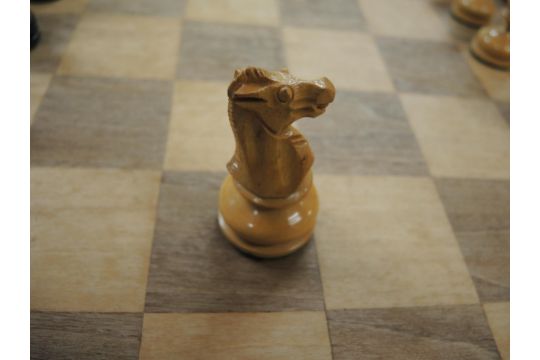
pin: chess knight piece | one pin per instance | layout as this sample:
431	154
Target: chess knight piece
268	204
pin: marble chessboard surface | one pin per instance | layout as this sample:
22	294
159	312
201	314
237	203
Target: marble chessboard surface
129	141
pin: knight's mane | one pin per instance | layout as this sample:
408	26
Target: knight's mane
249	75
256	75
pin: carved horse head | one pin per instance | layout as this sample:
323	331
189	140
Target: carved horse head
278	98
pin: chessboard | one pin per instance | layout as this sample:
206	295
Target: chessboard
129	141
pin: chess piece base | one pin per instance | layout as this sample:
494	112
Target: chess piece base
263	231
472	13
491	46
271	251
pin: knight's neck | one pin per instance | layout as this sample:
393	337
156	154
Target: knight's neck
266	165
250	135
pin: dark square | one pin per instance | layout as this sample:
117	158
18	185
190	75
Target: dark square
140	7
435	333
430	67
56	32
102	123
479	211
336	14
195	269
366	134
84	336
213	51
504	109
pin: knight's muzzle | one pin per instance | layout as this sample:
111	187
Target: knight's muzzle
327	94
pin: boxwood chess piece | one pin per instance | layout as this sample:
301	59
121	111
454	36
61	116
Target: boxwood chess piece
472	13
491	45
268	204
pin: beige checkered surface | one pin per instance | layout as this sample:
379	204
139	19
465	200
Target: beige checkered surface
129	140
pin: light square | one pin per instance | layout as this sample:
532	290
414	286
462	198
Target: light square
256	12
350	59
91	238
39	82
212	51
463	138
283	335
495	82
200	137
386	242
498	315
103	45
404	19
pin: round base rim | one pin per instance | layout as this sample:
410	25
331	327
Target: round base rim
488	59
271	251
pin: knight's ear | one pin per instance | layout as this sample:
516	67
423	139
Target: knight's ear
237	73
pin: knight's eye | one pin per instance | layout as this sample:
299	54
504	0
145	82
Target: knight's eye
285	94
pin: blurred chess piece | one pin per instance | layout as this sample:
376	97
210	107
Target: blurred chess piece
473	13
35	34
268	204
491	45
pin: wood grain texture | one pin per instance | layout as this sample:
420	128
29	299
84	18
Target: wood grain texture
479	211
460	137
498	315
386	242
102	123
203	145
56	30
91	237
393	18
504	108
84	336
338	14
39	82
58	7
211	51
431	67
139	7
151	56
496	82
255	12
364	134
264	336
362	68
435	333
383	238
194	268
